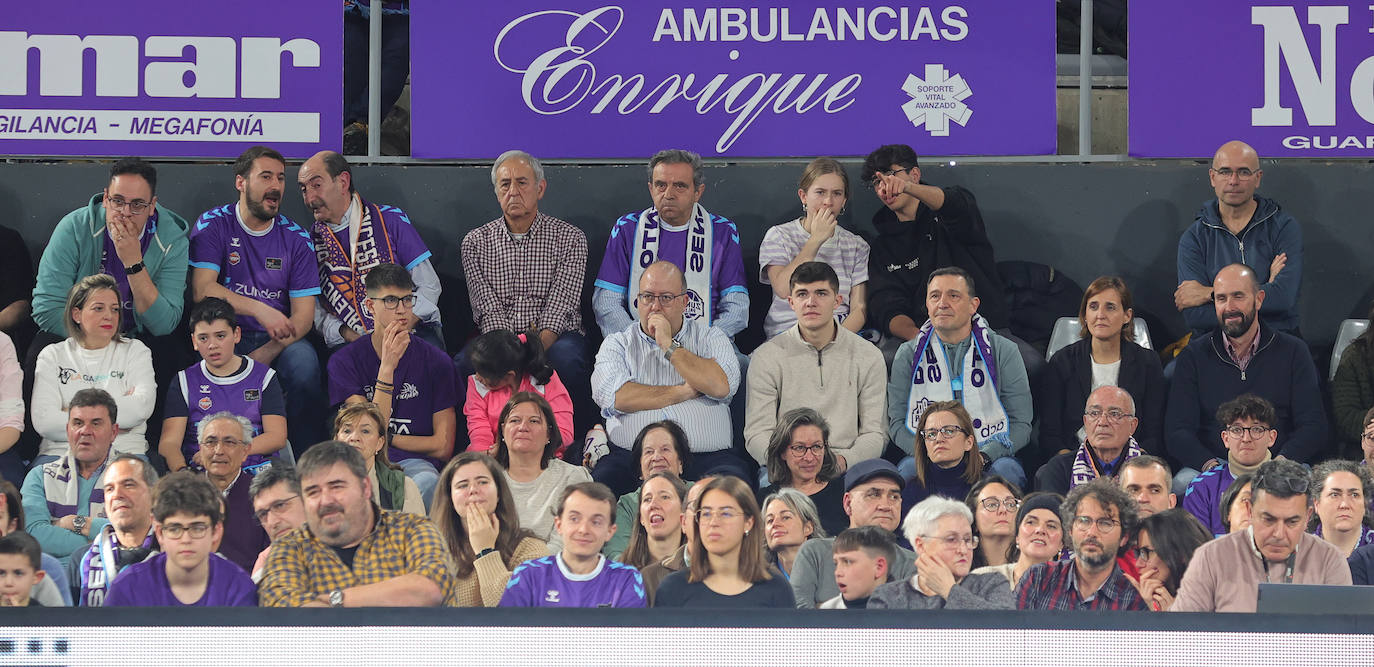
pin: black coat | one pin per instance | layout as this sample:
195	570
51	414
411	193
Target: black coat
1067	382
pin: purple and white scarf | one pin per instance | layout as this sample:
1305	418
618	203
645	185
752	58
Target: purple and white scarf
932	381
62	487
342	269
1085	468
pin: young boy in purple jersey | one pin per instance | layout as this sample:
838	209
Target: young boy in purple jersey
578	576
263	264
188	523
222	381
413	382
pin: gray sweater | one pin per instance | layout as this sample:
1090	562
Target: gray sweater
813	573
976	591
846	381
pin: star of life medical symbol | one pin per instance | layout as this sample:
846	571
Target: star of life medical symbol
936	100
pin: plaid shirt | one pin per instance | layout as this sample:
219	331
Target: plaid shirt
530	282
1054	585
300	567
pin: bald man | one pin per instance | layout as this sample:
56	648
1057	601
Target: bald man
666	366
351	236
1109	420
1240	227
1243	355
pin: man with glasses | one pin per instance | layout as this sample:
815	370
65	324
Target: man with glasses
1249	436
872	497
1109	420
1100	517
1240	226
414	383
1225	574
224	441
129	537
941	531
188	522
1245	355
262	263
921	228
821	365
277	506
666	366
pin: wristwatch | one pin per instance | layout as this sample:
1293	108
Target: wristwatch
79	523
674	347
336	598
131	270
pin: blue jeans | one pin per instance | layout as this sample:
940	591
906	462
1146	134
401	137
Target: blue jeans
424	475
298	370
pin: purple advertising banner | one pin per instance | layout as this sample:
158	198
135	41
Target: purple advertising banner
170	78
1292	79
601	79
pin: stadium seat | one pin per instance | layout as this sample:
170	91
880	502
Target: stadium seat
1349	331
1066	332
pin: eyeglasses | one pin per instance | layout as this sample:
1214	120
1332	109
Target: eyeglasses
213	443
1367	437
942	433
1144	553
1243	173
724	514
953	541
119	203
873	184
663	299
1104	524
175	530
390	302
802	450
994	504
1278	483
275	508
1113	415
1255	432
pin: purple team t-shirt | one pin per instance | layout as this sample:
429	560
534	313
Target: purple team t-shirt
110	262
425	380
727	261
273	266
546	582
145	585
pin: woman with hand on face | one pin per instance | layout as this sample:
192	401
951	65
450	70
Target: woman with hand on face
727	568
362	426
529	437
94	355
1165	544
481	529
1342	504
941	532
659	447
790	519
816	236
994	502
948	462
799	457
658	528
1039	537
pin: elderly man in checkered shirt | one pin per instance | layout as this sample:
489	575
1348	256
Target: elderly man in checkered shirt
524	272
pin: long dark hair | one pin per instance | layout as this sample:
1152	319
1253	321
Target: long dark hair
502	453
495	353
1175	535
450	524
637	553
781	439
979	560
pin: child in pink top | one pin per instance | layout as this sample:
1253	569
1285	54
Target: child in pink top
505	363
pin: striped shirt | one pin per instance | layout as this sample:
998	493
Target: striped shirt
631	355
1054	585
846	252
534	281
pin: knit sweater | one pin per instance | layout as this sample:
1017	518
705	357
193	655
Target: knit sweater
483	588
1225	573
976	591
845	381
1352	391
122	368
535	500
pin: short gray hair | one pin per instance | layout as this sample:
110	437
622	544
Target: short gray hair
801	505
531	160
1282	478
242	421
923	517
678	156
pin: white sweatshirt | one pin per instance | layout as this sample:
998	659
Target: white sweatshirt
124	368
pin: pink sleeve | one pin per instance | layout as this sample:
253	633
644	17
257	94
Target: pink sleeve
11	386
480	434
561	402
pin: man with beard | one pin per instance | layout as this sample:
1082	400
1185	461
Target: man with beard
262	264
128	538
352	553
1100	516
1244	355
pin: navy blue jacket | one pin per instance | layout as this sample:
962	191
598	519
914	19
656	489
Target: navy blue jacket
1205	377
1068	380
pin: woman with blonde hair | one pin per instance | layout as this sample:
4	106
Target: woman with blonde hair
363	426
